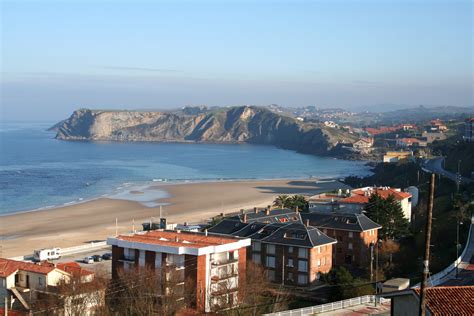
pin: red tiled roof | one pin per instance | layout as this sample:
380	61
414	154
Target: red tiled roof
73	268
450	300
175	239
359	195
8	267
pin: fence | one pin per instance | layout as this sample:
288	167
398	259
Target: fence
330	306
70	250
438	278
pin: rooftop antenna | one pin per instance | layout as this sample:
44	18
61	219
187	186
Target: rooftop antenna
116	226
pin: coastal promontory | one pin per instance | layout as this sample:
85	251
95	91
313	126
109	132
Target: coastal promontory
242	124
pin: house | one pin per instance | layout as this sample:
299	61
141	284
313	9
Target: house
408	127
437	126
410	142
363	144
23	283
291	252
212	266
354	234
433	136
396	156
356	200
331	124
469	129
440	301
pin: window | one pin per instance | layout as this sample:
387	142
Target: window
256	258
271	249
256	246
290	249
319	262
349	245
290	263
290	276
302	253
271	275
303	265
302	279
319	249
40	281
270	262
351	234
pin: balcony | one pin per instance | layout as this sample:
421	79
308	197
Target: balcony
224	262
224	276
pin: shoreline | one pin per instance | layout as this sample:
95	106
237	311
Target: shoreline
131	187
71	225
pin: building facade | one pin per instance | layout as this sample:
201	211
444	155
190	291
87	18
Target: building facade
469	129
23	283
354	234
212	267
292	253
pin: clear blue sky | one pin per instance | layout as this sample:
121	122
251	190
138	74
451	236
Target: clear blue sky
61	55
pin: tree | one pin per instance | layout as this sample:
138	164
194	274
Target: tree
292	202
388	213
344	285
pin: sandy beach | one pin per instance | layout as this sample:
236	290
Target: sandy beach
95	220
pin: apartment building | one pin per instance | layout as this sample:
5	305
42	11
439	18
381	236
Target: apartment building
23	283
213	266
291	252
469	129
354	234
356	200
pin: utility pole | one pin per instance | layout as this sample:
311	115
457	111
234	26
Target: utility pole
457	247
458	177
426	259
376	269
283	271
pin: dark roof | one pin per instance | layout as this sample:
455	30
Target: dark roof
352	222
227	226
275	216
299	235
291	234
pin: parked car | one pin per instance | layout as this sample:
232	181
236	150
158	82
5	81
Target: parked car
88	260
107	256
97	258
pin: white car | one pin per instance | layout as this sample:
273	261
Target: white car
88	260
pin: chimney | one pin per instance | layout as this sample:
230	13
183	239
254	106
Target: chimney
205	232
269	207
297	209
307	223
242	211
185	224
267	211
255	210
245	218
176	239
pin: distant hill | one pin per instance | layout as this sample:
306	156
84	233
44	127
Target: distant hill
243	124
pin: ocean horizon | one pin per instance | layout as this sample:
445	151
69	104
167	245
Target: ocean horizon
39	172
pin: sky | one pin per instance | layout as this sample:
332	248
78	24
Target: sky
57	56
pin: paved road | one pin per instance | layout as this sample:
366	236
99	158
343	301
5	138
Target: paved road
436	165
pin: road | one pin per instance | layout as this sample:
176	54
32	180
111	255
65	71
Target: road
435	165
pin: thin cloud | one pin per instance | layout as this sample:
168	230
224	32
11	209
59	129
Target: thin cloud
140	69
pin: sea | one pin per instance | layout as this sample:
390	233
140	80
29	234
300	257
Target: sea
38	171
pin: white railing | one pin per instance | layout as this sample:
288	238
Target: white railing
330	306
438	278
70	250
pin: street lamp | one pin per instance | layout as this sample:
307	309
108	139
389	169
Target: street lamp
457	246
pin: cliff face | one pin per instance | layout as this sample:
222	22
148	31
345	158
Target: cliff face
239	124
